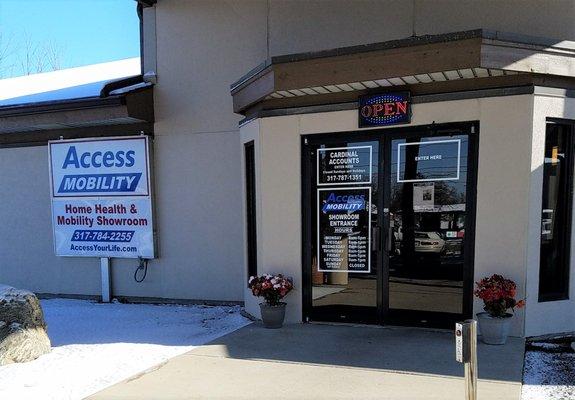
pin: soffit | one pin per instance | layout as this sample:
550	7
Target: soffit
125	108
455	61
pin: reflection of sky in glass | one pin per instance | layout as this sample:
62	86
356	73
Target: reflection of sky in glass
445	167
374	170
374	157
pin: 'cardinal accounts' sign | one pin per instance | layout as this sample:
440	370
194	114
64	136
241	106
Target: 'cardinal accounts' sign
101	202
384	109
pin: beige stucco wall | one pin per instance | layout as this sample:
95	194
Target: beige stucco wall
547	18
198	220
311	25
27	257
556	315
202	47
502	185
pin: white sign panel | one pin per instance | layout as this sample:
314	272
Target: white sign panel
344	165
437	160
109	167
101	202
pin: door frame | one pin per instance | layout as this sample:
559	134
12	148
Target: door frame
385	136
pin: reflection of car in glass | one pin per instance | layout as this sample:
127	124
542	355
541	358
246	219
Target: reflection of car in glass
547	224
398	234
428	242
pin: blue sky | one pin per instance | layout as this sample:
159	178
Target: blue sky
82	32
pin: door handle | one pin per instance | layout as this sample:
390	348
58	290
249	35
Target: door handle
375	238
388	240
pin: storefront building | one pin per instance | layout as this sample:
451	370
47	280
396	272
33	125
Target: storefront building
385	156
398	174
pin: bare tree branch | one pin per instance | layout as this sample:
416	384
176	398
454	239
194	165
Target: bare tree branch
28	56
53	54
7	50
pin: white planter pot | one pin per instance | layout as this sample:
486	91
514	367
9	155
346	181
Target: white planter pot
494	330
273	316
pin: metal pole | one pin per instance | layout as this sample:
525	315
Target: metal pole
106	279
470	366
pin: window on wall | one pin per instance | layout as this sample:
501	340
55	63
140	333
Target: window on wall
556	212
250	176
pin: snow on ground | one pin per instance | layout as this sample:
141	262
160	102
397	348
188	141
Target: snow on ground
97	345
549	372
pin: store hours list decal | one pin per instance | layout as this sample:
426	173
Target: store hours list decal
344	221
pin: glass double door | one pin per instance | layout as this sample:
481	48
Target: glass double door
389	219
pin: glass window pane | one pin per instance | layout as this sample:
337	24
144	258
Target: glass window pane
344	270
556	213
250	176
427	222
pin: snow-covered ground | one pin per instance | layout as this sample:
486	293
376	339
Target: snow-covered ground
97	345
549	372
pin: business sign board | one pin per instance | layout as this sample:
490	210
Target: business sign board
101	198
384	109
344	165
91	168
344	234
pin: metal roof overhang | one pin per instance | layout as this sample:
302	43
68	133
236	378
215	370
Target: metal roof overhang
147	3
461	61
109	115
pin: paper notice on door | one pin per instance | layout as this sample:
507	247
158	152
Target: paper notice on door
424	196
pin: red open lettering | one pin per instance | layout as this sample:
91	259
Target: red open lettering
401	107
377	108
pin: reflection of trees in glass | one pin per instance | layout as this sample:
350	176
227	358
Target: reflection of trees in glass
445	194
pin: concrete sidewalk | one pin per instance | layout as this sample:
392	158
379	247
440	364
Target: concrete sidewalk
312	361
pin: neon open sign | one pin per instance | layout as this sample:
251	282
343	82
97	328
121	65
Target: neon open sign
384	109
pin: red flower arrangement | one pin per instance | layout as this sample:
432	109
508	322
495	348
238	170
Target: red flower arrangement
272	288
498	295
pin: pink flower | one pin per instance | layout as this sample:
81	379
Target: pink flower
498	294
272	288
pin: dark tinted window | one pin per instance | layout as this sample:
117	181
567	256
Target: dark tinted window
250	176
556	212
